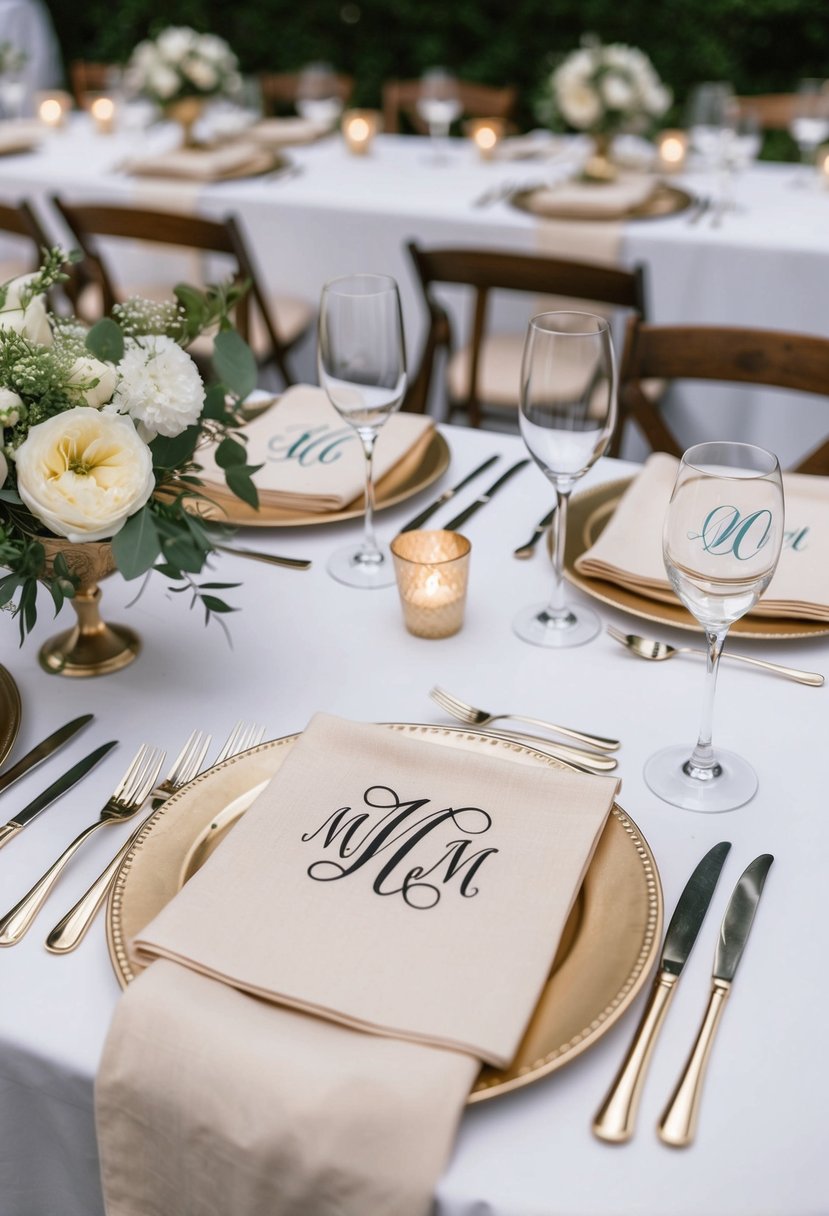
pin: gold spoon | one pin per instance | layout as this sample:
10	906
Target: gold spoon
649	648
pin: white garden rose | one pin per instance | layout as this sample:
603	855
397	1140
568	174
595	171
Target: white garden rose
203	74
10	406
83	473
4	469
580	106
96	380
176	42
159	386
617	92
163	81
31	322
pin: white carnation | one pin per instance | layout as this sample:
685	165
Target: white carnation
94	379
83	473
158	386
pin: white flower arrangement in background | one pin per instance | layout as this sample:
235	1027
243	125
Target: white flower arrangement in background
182	63
604	89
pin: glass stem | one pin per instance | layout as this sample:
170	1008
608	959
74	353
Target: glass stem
368	439
556	611
702	765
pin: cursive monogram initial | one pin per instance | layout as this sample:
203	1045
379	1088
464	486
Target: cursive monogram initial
402	835
313	445
725	531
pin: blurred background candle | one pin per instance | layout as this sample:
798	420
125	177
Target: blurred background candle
52	108
102	110
432	570
822	162
486	134
359	128
672	149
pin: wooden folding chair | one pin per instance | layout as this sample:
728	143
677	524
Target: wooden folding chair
280	89
400	98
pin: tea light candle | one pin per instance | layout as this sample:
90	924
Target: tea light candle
359	128
672	149
102	110
52	108
486	134
432	570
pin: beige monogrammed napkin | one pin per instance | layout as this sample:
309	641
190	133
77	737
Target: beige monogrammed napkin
587	200
222	163
375	886
312	460
629	550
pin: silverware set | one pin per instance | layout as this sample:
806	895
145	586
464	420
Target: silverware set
458	520
526	550
138	788
616	1118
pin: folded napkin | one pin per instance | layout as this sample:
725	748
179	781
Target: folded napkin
629	550
286	132
19	135
313	461
379	883
593	200
222	163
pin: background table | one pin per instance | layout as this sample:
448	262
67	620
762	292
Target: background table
766	265
302	642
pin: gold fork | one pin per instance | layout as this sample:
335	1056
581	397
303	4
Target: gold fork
125	800
473	716
70	931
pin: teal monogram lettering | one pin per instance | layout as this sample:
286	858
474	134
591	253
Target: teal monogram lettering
796	540
726	531
312	445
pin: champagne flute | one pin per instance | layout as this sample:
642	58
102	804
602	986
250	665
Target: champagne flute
721	542
362	367
438	104
567	413
809	126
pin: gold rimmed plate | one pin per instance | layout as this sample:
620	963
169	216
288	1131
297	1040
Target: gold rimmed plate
588	515
417	470
664	200
607	948
10	713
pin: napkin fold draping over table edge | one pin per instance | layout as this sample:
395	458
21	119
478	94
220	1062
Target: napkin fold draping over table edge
315	477
629	550
211	1100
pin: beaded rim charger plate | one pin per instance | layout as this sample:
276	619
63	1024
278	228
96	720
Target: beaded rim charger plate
589	513
604	957
664	200
10	712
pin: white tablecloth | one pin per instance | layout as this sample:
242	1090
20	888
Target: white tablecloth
766	265
302	642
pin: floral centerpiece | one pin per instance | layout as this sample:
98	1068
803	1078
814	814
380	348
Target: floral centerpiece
604	90
12	59
99	436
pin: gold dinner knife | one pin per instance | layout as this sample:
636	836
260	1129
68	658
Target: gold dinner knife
616	1117
679	1120
466	514
55	790
49	745
427	513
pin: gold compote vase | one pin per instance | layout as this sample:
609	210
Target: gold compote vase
599	166
91	647
186	112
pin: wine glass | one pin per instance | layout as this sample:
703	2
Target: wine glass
721	541
362	367
809	126
567	413
438	104
709	118
318	96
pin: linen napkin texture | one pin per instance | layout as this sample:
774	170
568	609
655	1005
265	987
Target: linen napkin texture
382	881
386	883
607	200
629	550
224	162
313	460
286	132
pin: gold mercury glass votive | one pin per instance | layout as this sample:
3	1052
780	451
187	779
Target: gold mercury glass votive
102	112
52	107
672	151
486	134
432	569
359	128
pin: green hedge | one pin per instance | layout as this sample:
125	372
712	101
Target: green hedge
760	45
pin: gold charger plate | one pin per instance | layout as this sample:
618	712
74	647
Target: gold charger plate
665	200
587	516
606	950
418	469
10	712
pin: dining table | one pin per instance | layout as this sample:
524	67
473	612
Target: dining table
299	642
323	212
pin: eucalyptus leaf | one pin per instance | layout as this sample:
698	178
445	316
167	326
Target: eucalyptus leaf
239	481
234	363
230	453
136	547
105	341
170	453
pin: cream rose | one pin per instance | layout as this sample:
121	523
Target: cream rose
83	473
32	321
10	407
4	469
95	380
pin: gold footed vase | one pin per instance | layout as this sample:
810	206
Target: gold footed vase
599	166
91	647
186	112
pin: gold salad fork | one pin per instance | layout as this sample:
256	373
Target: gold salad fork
473	716
71	929
126	799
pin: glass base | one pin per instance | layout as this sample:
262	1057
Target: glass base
359	567
735	784
535	625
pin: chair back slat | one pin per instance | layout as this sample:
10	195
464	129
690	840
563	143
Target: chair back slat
400	97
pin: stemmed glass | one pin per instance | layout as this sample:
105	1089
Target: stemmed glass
809	126
318	97
567	413
710	115
438	104
721	541
362	367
